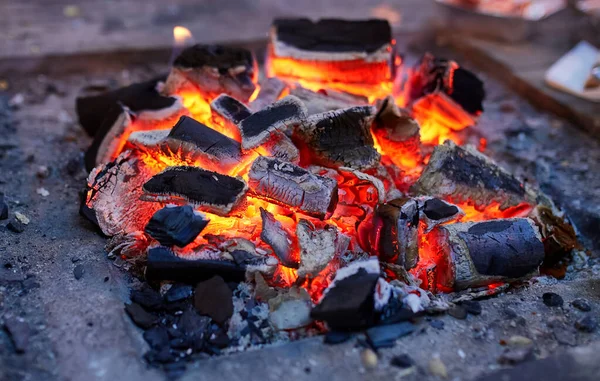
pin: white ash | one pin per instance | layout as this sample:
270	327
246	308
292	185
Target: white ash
317	247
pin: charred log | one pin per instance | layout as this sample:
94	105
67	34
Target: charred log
212	70
293	186
176	225
340	138
163	264
280	146
271	90
281	115
229	112
280	240
209	191
464	174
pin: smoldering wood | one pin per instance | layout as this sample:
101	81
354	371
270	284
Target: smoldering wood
340	138
317	247
281	115
163	264
115	122
487	252
209	191
433	212
176	225
557	232
113	192
465	175
212	70
320	102
139	97
275	235
280	146
292	186
396	226
229	112
270	90
364	178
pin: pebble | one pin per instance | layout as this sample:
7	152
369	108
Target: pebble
581	305
520	341
552	299
515	355
587	324
43	172
402	361
140	317
337	337
457	312
78	271
472	306
22	218
43	192
437	367
16	226
368	358
437	324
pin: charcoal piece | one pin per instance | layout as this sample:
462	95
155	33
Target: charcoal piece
19	332
178	225
139	98
192	324
15	226
147	298
3	207
552	299
229	112
292	186
586	324
281	115
395	232
402	361
280	240
140	316
337	337
488	252
280	146
209	191
211	70
464	174
163	264
348	303
339	138
320	102
270	90
582	305
220	339
317	247
434	212
473	307
157	337
385	336
334	35
106	142
178	292
213	298
78	272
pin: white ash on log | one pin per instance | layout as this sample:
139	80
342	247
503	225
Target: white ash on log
292	186
176	225
163	264
270	91
482	253
280	116
318	247
280	146
395	232
464	174
433	212
397	133
320	102
209	191
281	241
212	70
331	50
229	112
340	138
113	193
142	99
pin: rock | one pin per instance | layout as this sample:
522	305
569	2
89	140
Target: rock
213	298
458	312
178	292
519	341
291	309
337	337
42	172
368	358
552	299
157	337
78	271
147	298
437	324
437	367
402	361
19	333
515	355
587	324
385	336
472	306
140	316
3	207
16	226
582	305
43	192
22	218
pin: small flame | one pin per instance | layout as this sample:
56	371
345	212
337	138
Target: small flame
182	36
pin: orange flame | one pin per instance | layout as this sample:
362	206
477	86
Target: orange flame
182	36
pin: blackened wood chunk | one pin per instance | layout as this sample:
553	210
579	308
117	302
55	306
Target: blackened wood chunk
213	298
163	264
138	97
491	251
230	108
348	303
396	230
221	58
114	123
464	174
436	209
257	128
340	138
209	191
334	35
275	235
270	90
293	186
195	137
176	225
280	146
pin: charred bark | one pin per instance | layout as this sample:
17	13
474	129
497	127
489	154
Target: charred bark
229	112
280	240
320	102
292	186
280	146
